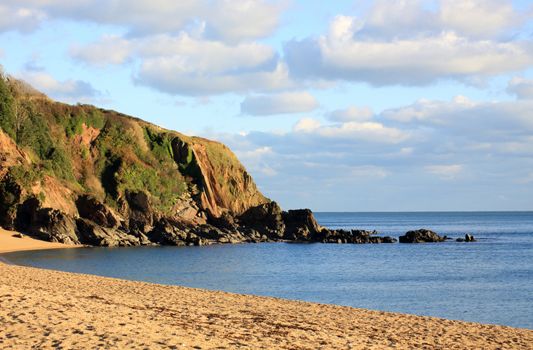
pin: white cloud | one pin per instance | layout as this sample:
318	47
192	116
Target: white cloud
522	88
185	65
367	131
284	103
23	19
446	172
306	125
226	20
479	18
472	18
416	43
489	120
409	61
172	76
352	113
110	49
67	90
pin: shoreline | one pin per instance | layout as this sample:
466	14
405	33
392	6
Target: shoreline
10	244
47	308
112	312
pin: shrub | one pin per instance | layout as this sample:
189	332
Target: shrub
7	114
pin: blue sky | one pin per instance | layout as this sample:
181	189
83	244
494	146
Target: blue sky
337	106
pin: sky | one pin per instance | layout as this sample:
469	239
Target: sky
378	105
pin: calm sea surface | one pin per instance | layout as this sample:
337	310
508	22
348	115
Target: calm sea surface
490	281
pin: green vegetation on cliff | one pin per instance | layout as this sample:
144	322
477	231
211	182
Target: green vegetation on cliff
71	150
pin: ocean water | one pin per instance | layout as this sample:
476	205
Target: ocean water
490	281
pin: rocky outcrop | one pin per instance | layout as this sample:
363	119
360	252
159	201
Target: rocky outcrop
266	219
90	233
92	209
421	236
351	236
300	225
98	177
54	226
141	215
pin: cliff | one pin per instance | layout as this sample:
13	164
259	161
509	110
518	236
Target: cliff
84	175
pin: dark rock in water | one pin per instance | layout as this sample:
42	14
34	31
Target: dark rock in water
90	208
353	236
468	238
388	239
421	236
265	218
300	225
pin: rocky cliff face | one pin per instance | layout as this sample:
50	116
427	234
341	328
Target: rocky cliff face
83	175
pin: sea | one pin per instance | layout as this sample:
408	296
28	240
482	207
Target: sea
489	281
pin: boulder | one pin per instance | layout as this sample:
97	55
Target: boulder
92	234
388	239
225	220
421	236
90	208
301	225
265	218
54	226
170	232
141	216
350	236
468	238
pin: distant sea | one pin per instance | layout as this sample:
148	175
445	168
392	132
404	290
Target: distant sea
490	281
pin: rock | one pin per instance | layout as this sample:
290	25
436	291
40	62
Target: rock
265	218
141	216
388	239
54	226
27	213
90	208
18	235
93	234
169	232
225	221
300	225
468	238
421	236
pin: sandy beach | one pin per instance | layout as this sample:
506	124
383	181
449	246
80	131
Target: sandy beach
45	309
10	243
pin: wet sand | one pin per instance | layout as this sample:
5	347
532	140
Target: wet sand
46	309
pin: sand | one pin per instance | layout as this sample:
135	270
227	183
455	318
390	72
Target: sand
45	309
8	243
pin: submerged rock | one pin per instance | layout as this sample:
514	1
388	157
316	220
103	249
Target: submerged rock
421	236
468	238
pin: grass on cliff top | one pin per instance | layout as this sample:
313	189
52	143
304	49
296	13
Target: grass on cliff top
125	154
